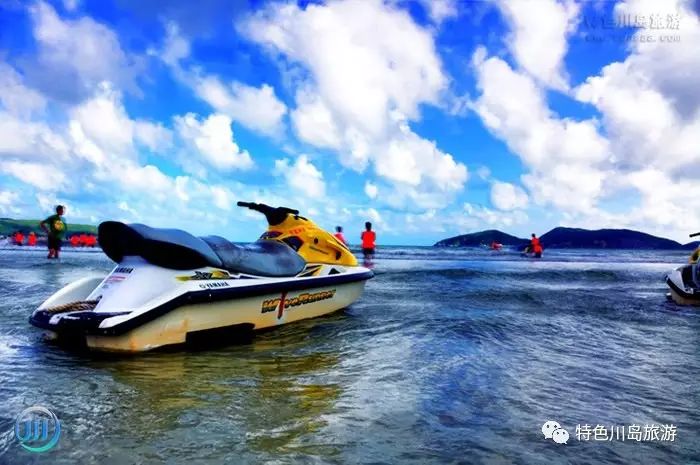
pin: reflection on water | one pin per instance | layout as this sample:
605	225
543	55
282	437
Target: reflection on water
273	387
450	357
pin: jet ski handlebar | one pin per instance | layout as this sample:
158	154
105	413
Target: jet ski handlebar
695	234
274	215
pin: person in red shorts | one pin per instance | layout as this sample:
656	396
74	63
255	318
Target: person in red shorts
535	246
368	241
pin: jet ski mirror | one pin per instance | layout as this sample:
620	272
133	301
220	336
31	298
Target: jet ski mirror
274	215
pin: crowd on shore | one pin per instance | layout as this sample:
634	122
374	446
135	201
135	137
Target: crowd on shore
32	239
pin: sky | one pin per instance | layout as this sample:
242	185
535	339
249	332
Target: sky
427	118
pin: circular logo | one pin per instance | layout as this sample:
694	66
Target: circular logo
37	429
58	225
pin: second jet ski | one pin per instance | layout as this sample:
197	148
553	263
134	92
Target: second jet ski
684	281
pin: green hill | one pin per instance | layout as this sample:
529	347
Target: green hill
9	226
482	237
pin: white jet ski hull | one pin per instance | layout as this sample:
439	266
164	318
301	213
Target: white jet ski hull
684	285
130	313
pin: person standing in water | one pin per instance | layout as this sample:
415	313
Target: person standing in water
535	246
31	240
339	235
55	231
368	240
19	238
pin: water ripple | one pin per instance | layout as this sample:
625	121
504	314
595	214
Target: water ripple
452	356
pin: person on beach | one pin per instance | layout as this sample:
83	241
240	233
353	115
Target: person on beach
535	246
368	241
19	238
55	231
31	239
339	235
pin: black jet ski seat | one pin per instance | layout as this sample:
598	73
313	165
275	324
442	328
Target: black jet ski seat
180	250
262	258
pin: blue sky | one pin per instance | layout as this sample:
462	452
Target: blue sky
428	118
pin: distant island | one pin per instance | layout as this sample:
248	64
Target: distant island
572	238
483	237
9	226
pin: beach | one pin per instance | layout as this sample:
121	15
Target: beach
450	356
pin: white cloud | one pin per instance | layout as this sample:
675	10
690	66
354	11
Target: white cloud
539	36
22	137
71	5
257	108
104	120
651	112
175	47
100	128
27	140
302	176
15	96
407	158
373	215
155	136
314	123
483	173
570	187
360	74
212	139
440	10
486	217
507	196
469	217
144	179
76	55
650	108
650	118
222	198
41	176
8	202
124	206
362	88
371	190
97	142
568	159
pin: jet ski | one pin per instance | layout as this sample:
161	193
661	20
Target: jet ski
684	281
169	287
684	284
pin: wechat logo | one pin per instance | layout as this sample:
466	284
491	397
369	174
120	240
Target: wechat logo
553	430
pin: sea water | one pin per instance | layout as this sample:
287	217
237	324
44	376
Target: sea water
450	356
